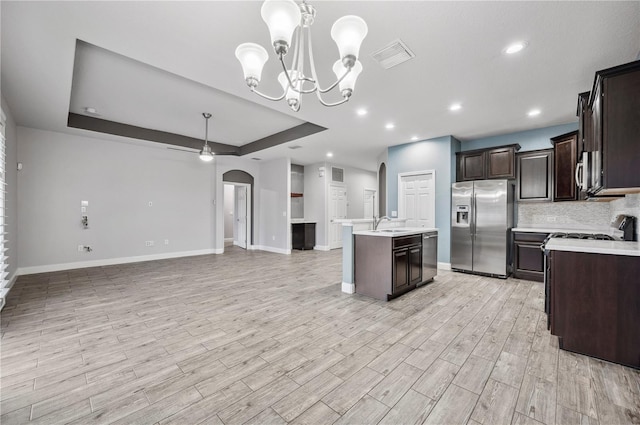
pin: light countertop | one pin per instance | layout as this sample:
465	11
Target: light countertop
366	220
301	221
595	247
396	231
560	230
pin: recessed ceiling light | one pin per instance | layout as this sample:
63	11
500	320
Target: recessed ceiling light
515	47
91	110
329	154
361	112
534	112
455	107
414	138
390	126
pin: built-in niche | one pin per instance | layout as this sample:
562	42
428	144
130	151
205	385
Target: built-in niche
382	190
297	191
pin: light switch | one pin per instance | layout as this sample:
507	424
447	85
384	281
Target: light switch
84	203
150	203
83	209
394	213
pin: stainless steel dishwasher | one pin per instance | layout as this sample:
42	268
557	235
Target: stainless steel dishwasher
429	256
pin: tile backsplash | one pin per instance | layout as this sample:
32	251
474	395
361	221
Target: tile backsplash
578	214
565	215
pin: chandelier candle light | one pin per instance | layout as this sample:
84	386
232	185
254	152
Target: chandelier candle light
205	154
284	17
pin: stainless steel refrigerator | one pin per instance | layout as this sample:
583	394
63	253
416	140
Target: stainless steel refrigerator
481	222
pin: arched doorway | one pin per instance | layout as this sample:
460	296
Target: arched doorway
382	190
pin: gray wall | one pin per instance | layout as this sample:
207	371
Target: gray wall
118	180
12	191
274	188
315	201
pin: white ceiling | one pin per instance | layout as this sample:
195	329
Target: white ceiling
458	49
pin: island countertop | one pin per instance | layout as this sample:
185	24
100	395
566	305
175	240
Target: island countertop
396	231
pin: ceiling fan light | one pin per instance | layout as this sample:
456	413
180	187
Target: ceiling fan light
348	33
282	17
349	81
252	57
205	154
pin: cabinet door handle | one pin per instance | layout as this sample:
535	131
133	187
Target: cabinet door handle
579	175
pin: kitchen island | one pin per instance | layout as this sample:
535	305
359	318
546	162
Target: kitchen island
391	262
594	298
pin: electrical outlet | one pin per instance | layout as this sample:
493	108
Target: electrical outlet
150	203
80	248
551	219
273	237
151	243
166	241
83	209
147	243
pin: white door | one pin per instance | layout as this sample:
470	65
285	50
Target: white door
240	207
337	209
369	203
416	199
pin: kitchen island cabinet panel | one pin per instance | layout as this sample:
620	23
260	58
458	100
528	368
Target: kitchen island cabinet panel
596	305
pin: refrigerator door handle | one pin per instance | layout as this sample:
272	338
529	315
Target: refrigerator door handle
475	214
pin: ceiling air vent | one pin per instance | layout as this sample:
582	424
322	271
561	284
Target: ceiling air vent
393	54
295	147
337	174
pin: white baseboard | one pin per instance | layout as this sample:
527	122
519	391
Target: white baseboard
272	249
444	266
322	248
111	261
348	288
228	239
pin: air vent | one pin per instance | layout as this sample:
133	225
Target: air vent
337	174
393	54
257	159
295	147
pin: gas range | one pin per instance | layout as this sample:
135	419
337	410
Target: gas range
589	236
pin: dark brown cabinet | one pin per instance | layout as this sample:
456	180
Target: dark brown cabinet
494	163
565	148
585	131
594	305
407	262
386	267
528	255
303	235
615	117
535	176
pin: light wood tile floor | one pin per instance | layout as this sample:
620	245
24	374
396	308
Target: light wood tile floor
261	338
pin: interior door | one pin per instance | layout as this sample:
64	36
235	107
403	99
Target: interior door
369	203
240	205
417	203
337	210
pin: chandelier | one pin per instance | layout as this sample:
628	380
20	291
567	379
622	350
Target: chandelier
284	17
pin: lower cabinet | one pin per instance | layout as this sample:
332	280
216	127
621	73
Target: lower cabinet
386	267
528	255
407	267
594	305
303	235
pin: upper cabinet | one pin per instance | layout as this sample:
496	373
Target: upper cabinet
615	124
565	148
585	132
535	179
494	163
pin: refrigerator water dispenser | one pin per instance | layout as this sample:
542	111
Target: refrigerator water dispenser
462	214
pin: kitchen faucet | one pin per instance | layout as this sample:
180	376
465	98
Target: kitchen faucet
376	222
